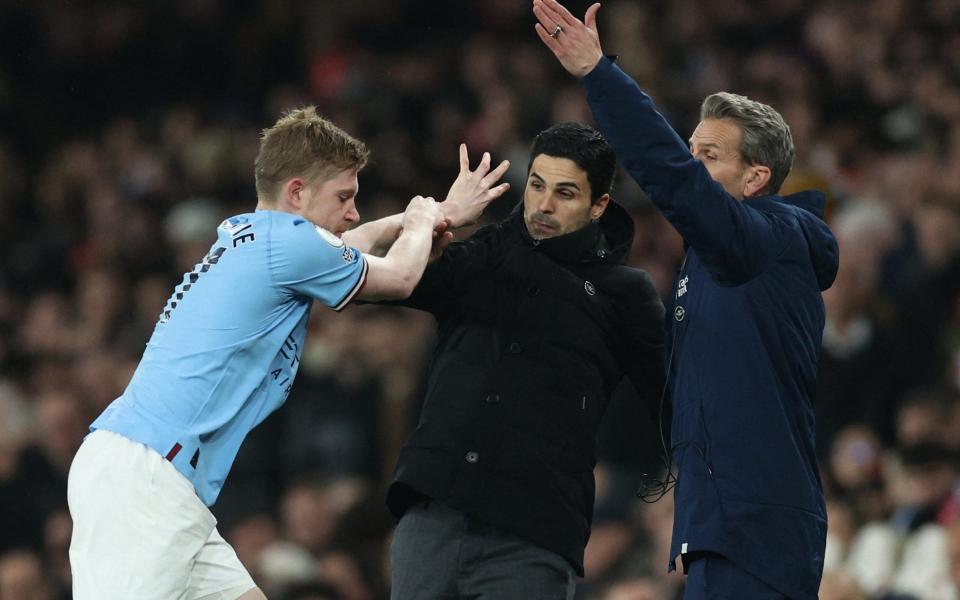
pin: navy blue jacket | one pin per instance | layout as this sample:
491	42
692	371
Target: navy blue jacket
747	324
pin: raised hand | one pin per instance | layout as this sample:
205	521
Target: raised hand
471	191
576	44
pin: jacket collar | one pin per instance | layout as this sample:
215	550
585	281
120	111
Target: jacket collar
821	243
607	240
812	201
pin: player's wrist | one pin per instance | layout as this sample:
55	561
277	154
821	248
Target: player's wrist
454	213
418	222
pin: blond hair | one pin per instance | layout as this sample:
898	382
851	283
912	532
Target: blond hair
304	144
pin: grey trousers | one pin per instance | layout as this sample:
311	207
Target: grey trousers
439	553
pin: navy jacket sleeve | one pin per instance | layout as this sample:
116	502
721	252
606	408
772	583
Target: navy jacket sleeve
734	241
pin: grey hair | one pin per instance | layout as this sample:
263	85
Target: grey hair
766	137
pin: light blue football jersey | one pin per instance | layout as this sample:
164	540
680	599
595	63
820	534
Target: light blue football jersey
227	346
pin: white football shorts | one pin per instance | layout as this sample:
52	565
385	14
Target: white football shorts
140	531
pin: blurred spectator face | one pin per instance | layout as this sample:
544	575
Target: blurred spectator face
51	374
828	33
928	484
557	198
345	493
497	122
938	232
716	143
569	105
22	578
481	63
205	158
61	427
342	572
865	232
101	376
150	296
331	203
920	422
855	459
250	537
307	520
868	229
99	295
47	325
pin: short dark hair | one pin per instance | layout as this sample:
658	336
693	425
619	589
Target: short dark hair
585	146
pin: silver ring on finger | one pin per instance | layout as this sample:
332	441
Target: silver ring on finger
556	32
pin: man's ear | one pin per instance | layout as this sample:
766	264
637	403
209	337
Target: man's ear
757	180
597	208
290	194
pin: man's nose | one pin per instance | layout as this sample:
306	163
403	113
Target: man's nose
547	204
353	215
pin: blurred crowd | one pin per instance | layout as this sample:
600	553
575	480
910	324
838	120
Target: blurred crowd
129	132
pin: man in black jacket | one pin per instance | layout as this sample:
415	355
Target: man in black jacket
539	320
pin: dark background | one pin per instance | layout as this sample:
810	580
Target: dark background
128	131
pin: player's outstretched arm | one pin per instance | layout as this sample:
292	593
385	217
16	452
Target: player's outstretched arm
375	237
394	276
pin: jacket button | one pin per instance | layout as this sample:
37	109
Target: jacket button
472	457
516	348
492	399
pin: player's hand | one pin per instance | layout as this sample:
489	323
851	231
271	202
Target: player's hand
441	239
471	191
575	44
422	212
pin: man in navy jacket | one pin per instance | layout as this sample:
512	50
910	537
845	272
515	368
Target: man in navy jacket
747	324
